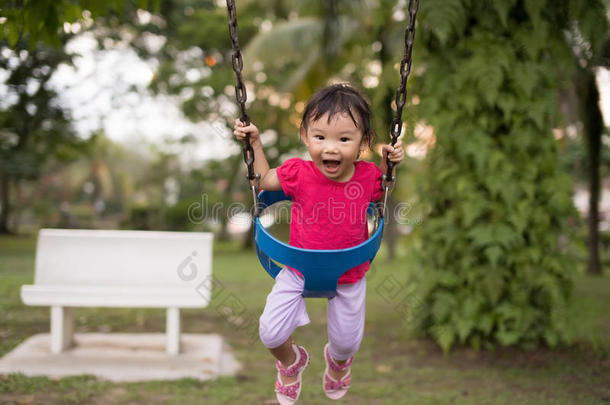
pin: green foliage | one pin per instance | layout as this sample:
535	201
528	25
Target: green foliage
34	127
43	20
291	50
493	257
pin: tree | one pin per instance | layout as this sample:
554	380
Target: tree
194	65
590	41
493	245
33	124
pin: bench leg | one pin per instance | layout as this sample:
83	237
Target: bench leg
62	328
173	331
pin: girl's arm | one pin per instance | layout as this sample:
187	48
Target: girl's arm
269	179
396	154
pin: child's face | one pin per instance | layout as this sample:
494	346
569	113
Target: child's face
334	146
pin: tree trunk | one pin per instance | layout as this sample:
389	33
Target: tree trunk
16	215
390	234
593	126
224	220
249	239
5	201
223	234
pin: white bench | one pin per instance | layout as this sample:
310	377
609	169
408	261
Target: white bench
112	268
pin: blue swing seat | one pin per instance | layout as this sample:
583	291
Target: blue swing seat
320	268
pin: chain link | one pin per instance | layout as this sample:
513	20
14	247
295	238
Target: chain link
242	96
405	69
387	179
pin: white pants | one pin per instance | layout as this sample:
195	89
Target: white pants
285	311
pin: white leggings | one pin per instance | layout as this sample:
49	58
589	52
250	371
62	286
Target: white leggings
285	311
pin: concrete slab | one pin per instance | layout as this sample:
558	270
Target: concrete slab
123	357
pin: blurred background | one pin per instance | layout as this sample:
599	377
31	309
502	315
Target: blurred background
119	114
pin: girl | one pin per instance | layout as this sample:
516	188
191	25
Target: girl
330	194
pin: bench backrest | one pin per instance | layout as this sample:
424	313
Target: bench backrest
123	258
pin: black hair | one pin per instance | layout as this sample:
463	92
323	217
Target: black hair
340	98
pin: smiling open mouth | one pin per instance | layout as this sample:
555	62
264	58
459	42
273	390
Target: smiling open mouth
331	165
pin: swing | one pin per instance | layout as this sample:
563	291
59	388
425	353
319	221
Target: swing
321	269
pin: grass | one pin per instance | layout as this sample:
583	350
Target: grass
392	366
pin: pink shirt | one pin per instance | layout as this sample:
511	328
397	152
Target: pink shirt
327	214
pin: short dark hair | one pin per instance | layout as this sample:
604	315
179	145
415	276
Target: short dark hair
340	98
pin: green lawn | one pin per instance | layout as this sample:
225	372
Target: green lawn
392	366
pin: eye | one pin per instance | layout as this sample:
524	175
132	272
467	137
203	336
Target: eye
344	139
320	137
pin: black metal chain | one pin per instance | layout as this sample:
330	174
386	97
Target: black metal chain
388	180
242	96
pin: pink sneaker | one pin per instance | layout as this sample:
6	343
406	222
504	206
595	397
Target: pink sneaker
332	388
289	394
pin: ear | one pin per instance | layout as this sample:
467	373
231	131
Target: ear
364	144
361	149
303	135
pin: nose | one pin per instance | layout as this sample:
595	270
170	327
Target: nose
330	147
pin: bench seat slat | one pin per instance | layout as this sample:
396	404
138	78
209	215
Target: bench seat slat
113	296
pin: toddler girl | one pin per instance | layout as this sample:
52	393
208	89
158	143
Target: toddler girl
330	195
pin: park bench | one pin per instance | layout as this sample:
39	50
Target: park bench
116	268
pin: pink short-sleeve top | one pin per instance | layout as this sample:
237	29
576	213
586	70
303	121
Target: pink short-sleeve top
327	214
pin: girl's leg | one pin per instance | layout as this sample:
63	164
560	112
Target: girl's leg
346	314
284	312
286	355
